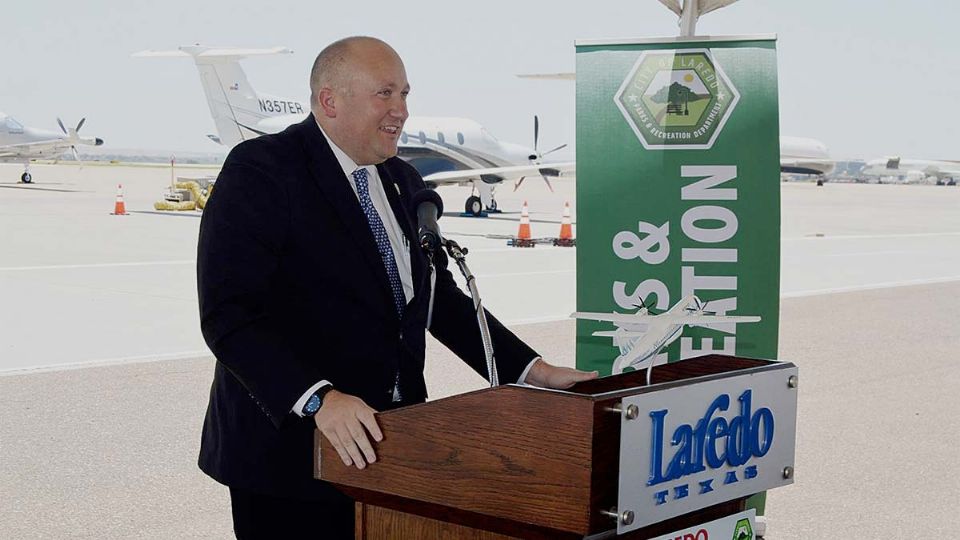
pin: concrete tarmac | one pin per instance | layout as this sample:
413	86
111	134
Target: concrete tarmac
869	281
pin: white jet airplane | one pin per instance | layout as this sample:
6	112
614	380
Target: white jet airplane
641	335
446	151
912	171
19	144
800	155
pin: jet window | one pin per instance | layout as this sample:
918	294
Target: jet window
13	126
460	137
440	137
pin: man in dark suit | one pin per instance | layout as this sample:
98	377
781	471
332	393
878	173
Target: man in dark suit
314	303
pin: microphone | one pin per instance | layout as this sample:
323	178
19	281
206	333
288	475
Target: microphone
429	207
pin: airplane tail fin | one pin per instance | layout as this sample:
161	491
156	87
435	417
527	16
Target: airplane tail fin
236	108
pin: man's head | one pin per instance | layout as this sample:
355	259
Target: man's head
358	93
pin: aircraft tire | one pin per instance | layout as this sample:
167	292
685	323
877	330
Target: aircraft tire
26	178
474	206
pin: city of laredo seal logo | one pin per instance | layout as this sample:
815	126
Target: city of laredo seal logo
676	99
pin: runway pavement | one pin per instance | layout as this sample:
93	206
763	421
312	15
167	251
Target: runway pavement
110	451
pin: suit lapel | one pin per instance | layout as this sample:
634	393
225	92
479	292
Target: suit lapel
335	186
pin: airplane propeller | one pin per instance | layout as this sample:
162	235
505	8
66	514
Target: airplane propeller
536	156
644	306
701	306
73	148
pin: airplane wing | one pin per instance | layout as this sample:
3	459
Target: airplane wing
499	173
707	319
621	318
34	148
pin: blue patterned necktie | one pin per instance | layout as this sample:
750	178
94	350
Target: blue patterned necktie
380	236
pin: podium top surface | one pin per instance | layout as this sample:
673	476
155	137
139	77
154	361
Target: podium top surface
668	375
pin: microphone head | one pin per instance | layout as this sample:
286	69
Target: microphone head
427	195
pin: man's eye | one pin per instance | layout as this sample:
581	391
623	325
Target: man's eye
386	93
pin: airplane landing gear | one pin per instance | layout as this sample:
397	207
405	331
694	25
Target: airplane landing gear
492	209
474	206
26	178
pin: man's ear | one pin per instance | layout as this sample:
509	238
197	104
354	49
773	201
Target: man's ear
327	103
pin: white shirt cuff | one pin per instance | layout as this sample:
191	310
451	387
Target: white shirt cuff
523	376
298	406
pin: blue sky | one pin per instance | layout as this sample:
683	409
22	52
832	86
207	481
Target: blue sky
868	79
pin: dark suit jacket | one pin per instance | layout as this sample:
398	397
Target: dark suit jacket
293	290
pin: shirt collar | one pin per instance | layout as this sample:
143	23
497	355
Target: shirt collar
347	164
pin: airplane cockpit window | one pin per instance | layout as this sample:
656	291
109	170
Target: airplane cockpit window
440	137
13	126
423	137
460	137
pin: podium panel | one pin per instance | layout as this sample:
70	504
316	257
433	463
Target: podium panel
517	461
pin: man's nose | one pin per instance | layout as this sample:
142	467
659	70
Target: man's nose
399	110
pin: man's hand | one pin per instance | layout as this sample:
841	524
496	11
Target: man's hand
345	420
549	376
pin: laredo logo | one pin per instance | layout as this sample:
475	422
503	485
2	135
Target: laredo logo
676	99
714	441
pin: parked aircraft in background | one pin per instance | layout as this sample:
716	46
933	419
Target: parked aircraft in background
912	171
21	144
800	155
641	335
446	151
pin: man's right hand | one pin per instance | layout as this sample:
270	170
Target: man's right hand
345	420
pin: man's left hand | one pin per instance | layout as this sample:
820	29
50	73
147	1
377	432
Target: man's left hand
549	376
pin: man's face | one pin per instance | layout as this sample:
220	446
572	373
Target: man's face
371	112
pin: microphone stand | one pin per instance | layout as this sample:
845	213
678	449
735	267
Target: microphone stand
458	254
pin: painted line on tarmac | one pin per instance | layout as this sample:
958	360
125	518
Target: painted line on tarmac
868	236
100	265
516	274
106	362
536	320
861	253
869	287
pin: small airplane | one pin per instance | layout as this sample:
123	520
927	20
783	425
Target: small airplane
446	151
19	144
641	335
913	171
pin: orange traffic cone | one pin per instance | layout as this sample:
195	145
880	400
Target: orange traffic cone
523	234
119	209
566	229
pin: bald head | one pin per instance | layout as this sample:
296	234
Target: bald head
336	63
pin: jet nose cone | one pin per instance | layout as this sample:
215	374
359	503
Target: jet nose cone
99	141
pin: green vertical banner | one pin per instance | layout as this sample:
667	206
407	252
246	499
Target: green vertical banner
678	196
678	192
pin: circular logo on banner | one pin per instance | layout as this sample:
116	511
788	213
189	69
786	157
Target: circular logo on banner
676	99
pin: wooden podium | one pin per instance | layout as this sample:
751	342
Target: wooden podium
512	461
